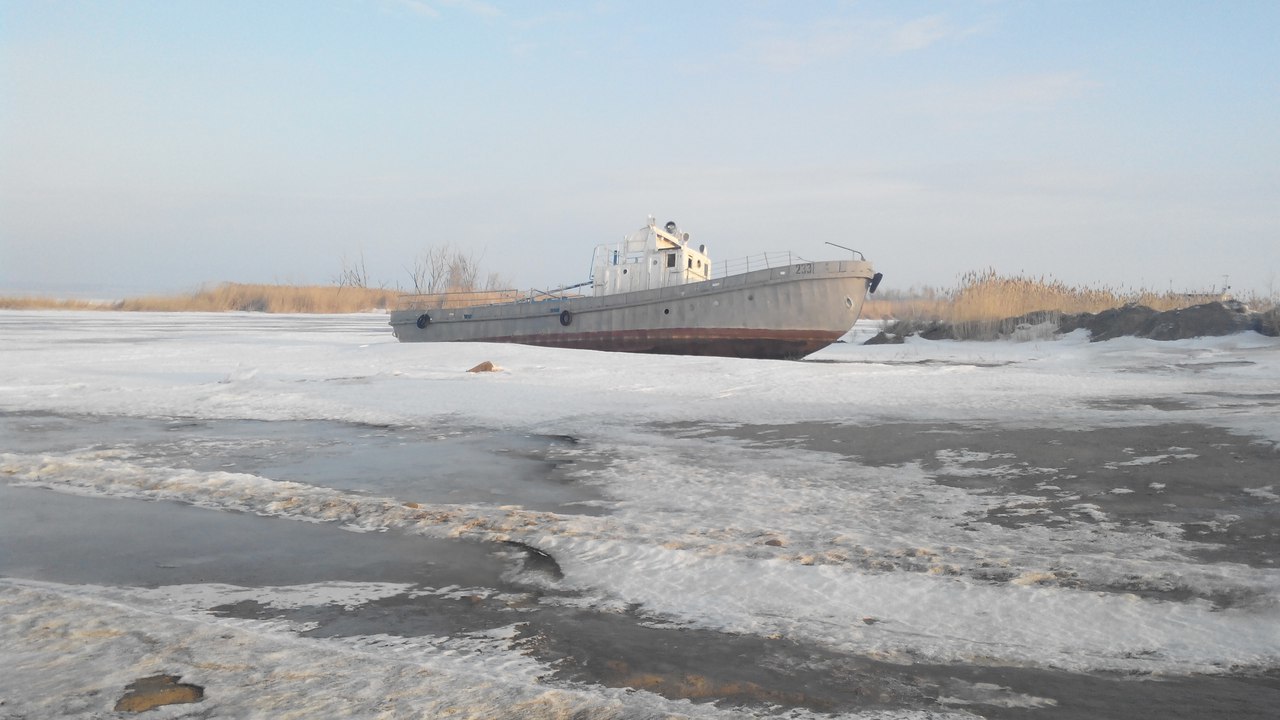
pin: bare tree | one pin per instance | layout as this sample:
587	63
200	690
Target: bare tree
439	269
495	281
353	274
417	275
444	268
463	270
437	262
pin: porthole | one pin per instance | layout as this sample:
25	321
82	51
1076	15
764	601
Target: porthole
848	302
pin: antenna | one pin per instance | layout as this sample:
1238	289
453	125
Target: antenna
855	252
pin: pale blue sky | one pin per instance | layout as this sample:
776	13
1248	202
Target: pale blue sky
155	146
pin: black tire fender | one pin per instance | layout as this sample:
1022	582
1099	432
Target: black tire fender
566	317
423	320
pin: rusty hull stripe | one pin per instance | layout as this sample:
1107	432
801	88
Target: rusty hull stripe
724	342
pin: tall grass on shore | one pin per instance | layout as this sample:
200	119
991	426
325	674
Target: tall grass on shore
981	300
28	302
978	306
234	296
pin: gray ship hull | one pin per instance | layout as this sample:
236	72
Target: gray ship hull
782	312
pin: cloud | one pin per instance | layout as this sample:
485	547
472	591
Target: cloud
475	7
922	32
789	53
835	39
965	102
432	9
1029	91
418	7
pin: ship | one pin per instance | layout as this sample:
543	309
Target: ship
656	292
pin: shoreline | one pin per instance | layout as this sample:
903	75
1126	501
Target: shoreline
1213	319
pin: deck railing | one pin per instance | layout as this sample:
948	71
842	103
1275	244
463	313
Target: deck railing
762	261
454	300
451	300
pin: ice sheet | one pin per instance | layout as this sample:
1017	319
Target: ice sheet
715	533
350	368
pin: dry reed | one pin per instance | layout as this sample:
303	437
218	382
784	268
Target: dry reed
982	299
234	296
27	302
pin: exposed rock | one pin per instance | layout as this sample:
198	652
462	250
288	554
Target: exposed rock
536	560
884	338
485	366
937	331
151	692
1109	324
1207	320
1268	323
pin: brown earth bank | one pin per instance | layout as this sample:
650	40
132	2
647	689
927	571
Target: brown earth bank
152	692
1205	320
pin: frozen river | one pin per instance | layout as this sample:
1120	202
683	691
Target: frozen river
308	519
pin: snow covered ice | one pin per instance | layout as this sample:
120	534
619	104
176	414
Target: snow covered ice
307	518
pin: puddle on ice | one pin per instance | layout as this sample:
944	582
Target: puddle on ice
425	465
450	589
446	591
69	539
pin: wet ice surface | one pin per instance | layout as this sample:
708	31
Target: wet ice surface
443	464
303	516
85	540
1194	481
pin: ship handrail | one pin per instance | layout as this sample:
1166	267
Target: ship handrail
761	261
482	298
457	299
721	272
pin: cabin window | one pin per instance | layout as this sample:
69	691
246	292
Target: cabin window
671	260
690	263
